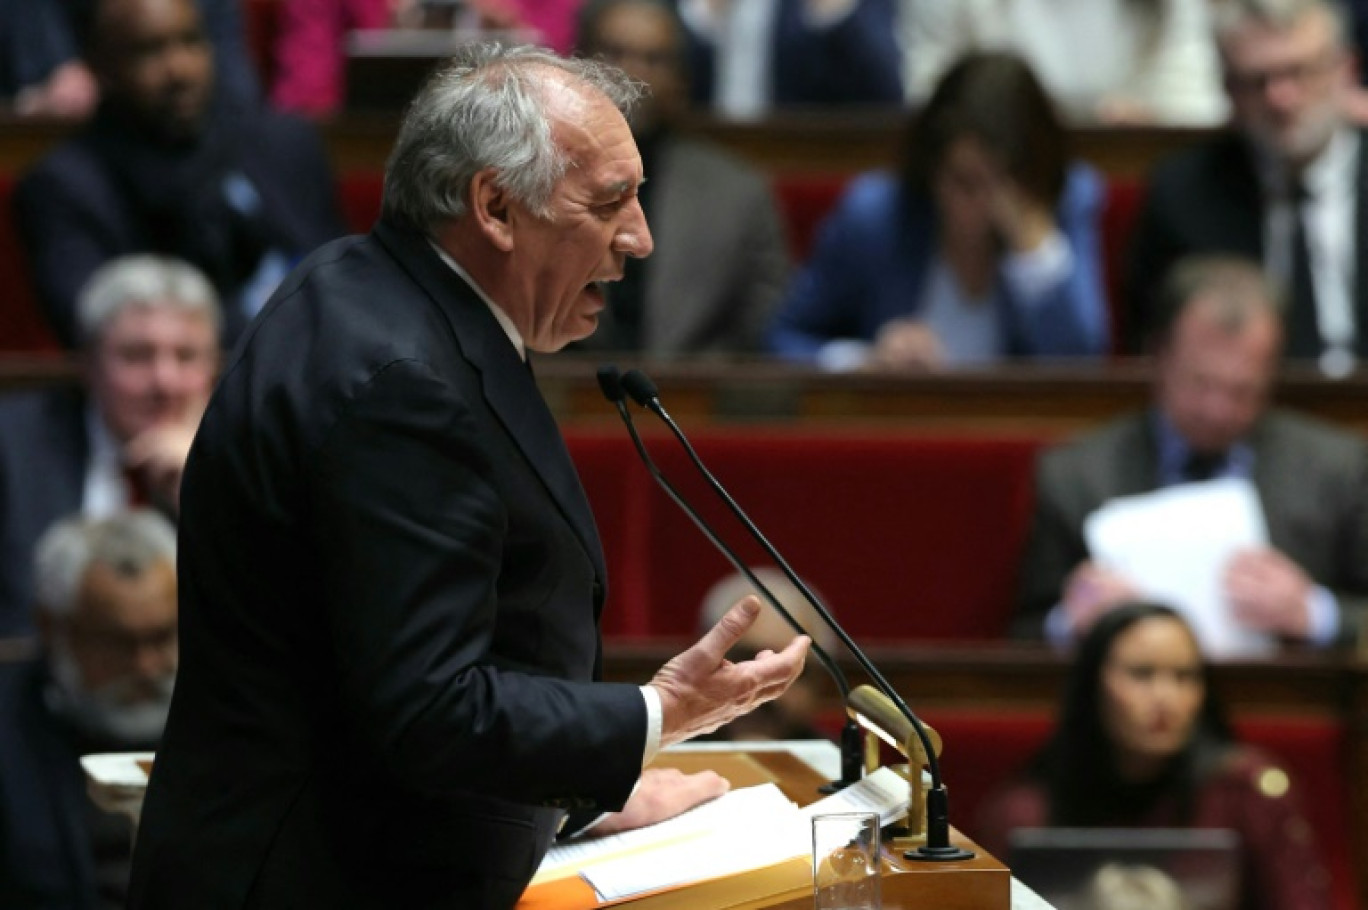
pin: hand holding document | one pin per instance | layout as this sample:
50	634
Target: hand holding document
1175	543
745	829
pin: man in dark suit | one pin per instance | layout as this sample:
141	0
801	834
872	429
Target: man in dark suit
721	258
1286	187
748	57
106	606
170	165
390	576
1217	358
150	348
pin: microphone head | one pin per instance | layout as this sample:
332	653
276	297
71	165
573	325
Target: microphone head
610	382
639	386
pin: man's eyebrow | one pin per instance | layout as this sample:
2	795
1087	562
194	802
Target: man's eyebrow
620	188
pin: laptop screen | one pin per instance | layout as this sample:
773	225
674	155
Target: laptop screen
1124	868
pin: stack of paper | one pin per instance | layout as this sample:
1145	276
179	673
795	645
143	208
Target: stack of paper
1174	544
745	829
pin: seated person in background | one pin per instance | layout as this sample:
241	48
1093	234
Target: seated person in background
168	166
150	330
106	593
793	715
721	258
1108	61
984	247
310	52
41	74
748	57
1284	186
1118	886
1142	742
1216	362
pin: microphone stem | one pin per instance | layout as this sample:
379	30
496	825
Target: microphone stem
842	684
932	763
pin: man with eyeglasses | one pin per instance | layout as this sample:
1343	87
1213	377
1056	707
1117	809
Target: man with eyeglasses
106	597
1284	186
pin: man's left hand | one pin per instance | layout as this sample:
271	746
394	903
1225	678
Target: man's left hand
1269	592
662	793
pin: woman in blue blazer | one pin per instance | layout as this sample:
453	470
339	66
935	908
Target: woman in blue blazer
985	247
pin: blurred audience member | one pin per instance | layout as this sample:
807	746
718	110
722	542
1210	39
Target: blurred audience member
793	715
42	73
168	166
310	50
748	57
1216	363
1285	186
1124	886
1143	742
1108	61
107	613
721	258
984	247
150	348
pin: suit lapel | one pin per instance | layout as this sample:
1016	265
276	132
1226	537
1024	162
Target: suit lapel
506	381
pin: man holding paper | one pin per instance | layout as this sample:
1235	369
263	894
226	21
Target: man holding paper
1216	359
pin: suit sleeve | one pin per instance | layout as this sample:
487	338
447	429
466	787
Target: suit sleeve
765	268
1068	317
827	292
1054	546
410	531
65	221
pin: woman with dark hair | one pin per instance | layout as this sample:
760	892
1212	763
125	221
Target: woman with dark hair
1142	742
985	247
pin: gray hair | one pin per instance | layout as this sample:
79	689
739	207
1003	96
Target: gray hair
128	542
1229	16
1236	290
143	280
487	108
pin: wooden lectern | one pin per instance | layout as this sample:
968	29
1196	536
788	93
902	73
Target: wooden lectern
981	883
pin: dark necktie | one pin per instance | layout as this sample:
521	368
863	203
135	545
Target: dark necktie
1303	328
1203	465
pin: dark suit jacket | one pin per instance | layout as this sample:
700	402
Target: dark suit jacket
43	452
1207	199
110	192
58	851
720	261
855	61
390	587
1312	481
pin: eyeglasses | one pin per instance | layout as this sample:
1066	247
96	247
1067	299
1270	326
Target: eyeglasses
1301	74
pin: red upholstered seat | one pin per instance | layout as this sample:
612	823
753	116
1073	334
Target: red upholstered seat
909	537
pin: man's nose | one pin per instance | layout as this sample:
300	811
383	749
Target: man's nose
634	237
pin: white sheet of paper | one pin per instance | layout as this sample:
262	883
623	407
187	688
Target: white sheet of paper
747	832
1174	544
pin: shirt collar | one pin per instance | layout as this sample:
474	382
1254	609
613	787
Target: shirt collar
500	316
1173	452
1329	171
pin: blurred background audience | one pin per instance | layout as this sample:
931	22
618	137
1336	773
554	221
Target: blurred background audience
751	57
983	247
43	72
721	258
1283	186
169	165
106	610
150	330
1217	358
1142	741
1103	61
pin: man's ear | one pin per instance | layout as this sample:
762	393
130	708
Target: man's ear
491	207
